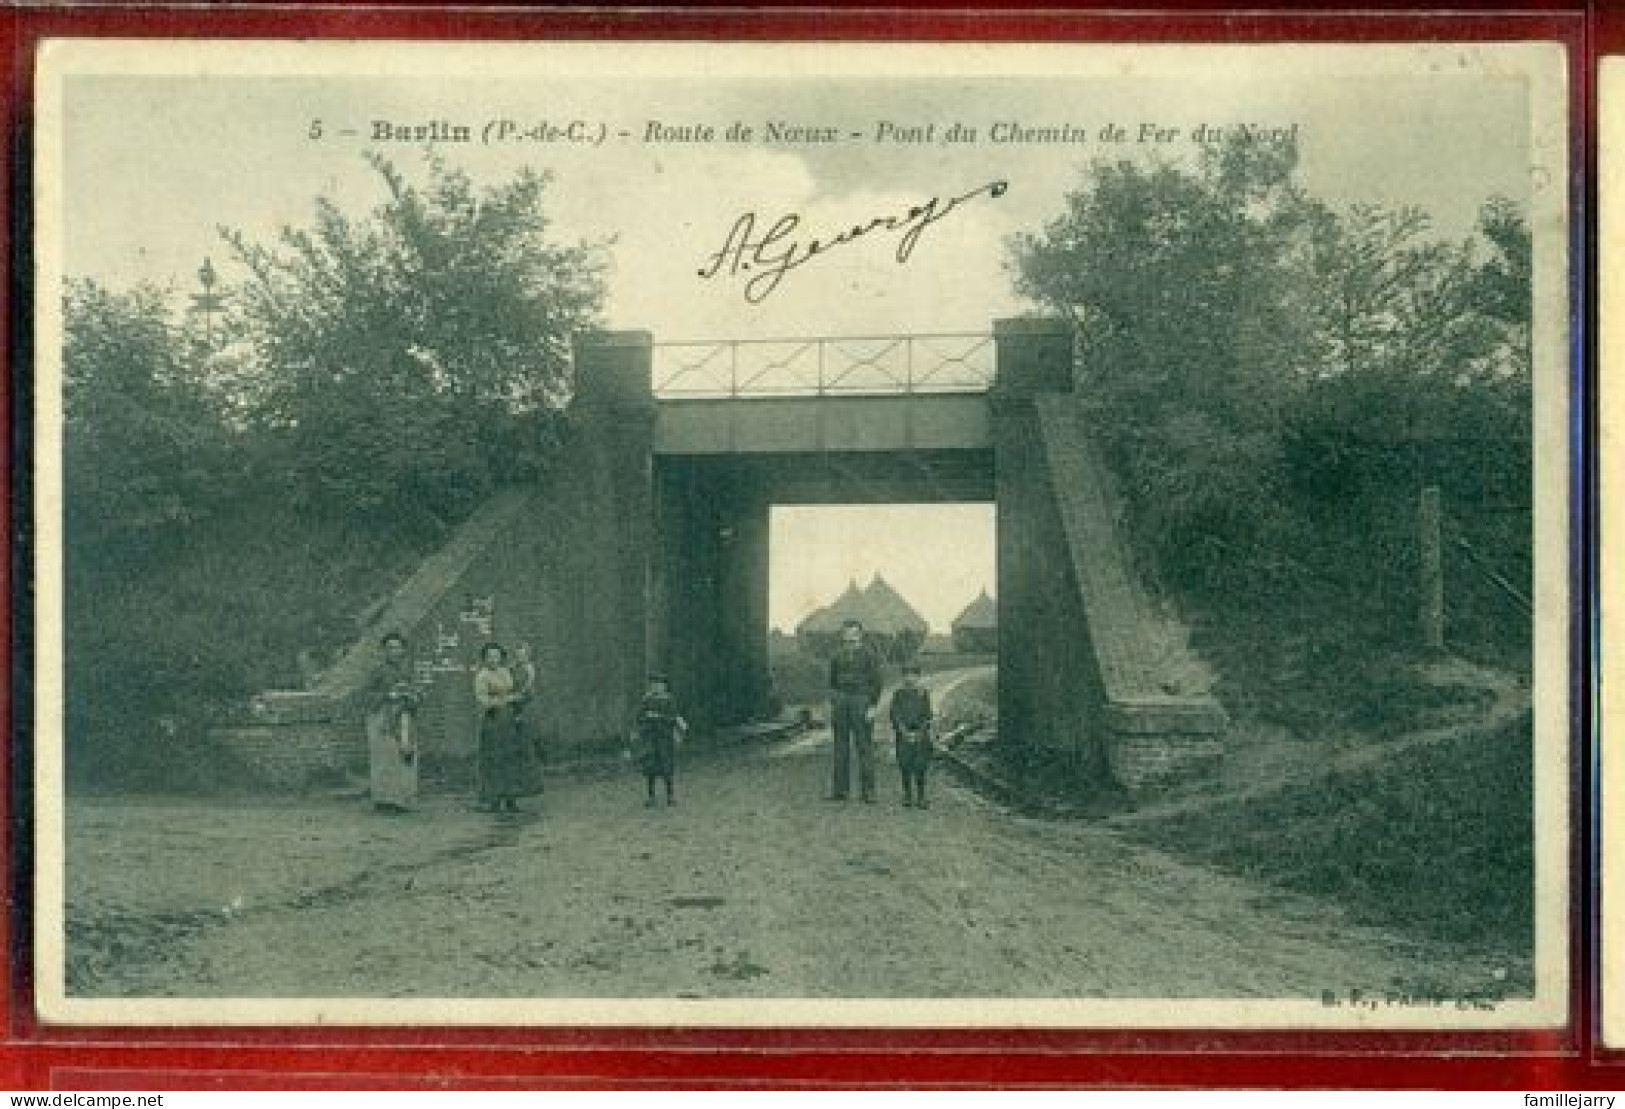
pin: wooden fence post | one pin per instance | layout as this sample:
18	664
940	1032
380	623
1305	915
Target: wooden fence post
1431	547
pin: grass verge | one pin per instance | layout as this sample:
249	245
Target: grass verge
1438	839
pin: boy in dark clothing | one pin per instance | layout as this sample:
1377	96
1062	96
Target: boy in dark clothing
659	730
911	727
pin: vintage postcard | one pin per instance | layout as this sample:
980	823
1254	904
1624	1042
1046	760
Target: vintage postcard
1610	421
715	534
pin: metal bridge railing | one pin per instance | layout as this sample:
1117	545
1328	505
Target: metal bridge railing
852	366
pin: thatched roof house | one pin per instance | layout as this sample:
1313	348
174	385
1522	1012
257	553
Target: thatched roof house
976	629
889	621
888	613
980	613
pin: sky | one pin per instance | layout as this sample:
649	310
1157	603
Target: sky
937	556
154	163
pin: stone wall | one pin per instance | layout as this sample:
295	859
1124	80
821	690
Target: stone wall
1157	743
1049	694
413	605
1156	733
560	566
296	756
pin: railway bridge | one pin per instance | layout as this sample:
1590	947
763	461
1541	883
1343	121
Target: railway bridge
697	442
647	548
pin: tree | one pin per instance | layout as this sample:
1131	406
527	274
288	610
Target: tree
148	462
1272	378
415	356
1391	300
1419	343
143	445
1502	282
1177	277
1184	285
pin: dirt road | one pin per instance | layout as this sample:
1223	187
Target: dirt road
751	886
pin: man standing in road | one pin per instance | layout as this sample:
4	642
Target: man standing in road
855	684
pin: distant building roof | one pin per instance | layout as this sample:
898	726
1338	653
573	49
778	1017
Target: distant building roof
888	612
813	622
831	616
980	613
879	608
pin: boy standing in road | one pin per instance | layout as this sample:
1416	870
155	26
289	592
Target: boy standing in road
659	730
911	728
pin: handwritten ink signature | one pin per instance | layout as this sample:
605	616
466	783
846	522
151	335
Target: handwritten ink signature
775	253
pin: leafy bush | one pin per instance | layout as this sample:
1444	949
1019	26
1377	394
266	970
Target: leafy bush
157	653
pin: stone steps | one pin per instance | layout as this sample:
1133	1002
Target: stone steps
428	585
296	738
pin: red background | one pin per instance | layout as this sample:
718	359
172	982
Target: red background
37	1056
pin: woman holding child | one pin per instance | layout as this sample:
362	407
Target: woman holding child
505	764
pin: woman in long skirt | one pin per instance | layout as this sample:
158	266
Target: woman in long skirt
528	779
391	701
505	765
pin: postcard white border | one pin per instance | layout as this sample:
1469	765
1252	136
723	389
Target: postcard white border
1611	537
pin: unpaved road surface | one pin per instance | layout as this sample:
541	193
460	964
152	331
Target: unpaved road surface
752	886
